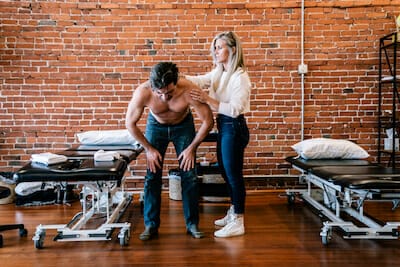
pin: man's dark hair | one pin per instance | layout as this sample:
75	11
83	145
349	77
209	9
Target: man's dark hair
162	74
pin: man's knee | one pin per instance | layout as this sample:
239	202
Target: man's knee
189	177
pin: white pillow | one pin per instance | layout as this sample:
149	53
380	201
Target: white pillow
326	148
109	137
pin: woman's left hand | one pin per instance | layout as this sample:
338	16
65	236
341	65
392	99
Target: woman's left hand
198	95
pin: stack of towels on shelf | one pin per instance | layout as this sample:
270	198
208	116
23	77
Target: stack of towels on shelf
48	158
102	155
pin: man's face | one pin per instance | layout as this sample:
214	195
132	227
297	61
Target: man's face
165	93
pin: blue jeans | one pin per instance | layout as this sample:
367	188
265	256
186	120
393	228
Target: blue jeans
159	136
233	137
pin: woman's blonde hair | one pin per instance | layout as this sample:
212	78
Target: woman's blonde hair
235	61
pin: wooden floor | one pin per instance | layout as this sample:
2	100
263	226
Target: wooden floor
276	235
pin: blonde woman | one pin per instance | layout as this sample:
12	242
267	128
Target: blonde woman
228	95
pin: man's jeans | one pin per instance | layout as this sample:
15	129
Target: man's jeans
159	136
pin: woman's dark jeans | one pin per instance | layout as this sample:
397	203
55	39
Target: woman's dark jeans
233	137
159	136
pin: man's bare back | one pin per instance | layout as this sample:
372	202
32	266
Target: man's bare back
168	98
168	105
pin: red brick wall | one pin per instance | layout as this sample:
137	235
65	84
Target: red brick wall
71	66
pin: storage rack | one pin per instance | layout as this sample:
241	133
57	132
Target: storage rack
211	189
387	108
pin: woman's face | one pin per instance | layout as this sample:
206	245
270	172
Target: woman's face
221	51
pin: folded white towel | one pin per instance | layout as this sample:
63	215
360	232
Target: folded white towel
48	158
102	155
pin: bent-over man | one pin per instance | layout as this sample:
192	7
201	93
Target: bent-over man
169	120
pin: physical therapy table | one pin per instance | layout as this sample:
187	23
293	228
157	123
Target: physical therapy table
346	184
102	192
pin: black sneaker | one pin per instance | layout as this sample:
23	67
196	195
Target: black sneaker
195	232
148	233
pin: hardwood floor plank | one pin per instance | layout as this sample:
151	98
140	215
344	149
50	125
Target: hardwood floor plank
276	235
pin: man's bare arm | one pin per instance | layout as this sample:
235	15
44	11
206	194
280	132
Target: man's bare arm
204	113
135	110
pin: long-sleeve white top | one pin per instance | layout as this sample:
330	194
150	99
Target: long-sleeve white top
234	99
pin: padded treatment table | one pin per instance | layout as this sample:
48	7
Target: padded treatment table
127	152
73	170
307	164
360	177
102	192
346	185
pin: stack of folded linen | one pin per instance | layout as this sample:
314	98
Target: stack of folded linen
48	158
102	155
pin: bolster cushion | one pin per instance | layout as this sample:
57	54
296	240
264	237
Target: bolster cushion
326	148
107	137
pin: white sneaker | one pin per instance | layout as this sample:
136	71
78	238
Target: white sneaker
224	221
233	228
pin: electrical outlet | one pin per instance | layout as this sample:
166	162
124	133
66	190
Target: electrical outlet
303	69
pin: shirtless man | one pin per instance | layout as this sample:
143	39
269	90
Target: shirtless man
169	120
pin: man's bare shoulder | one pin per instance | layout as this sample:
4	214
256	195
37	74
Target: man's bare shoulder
185	87
185	84
143	88
143	91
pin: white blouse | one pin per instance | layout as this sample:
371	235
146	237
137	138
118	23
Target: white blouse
234	98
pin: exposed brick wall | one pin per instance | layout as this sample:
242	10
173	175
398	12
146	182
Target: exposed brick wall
71	66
